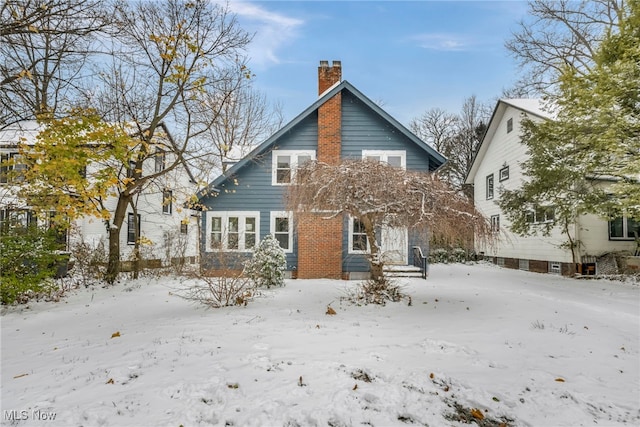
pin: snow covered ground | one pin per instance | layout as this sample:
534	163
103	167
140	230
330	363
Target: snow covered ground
540	350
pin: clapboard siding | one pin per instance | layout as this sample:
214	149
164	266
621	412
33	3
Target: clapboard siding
364	129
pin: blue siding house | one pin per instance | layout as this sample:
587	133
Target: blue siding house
246	203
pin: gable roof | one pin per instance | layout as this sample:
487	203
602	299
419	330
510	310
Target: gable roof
324	97
532	106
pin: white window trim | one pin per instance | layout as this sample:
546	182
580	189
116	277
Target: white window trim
242	215
351	250
503	175
493	186
272	226
536	220
625	230
495	223
294	154
384	155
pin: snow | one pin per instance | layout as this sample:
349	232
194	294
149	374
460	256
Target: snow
495	340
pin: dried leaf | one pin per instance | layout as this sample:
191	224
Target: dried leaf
330	311
110	381
560	380
115	334
355	387
477	413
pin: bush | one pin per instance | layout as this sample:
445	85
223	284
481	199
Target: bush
268	264
458	255
438	255
28	263
378	291
228	289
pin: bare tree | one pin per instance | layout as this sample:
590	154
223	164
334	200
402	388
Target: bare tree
380	195
436	127
44	46
560	33
234	123
455	136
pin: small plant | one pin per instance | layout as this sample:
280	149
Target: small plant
268	264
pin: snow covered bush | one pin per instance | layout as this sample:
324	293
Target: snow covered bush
458	255
377	291
268	264
223	290
438	255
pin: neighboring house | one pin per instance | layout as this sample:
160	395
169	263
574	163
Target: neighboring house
246	202
497	165
169	230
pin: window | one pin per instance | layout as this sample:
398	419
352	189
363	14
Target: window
490	187
495	223
131	170
133	232
16	218
11	170
167	202
395	158
233	231
282	229
623	228
504	173
184	227
357	237
510	125
541	215
160	159
285	163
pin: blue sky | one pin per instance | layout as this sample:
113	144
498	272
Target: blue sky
409	56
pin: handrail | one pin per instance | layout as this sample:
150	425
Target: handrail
419	260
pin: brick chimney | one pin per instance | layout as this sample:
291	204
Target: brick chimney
320	240
328	76
329	114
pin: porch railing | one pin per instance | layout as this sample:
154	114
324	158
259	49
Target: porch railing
419	260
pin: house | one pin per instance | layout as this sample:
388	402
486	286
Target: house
497	165
245	203
169	230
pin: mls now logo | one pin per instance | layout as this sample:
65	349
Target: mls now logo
15	415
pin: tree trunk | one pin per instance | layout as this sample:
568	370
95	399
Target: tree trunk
376	266
113	266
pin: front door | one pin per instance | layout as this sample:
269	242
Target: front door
394	246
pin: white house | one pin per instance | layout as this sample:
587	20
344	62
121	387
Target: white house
168	229
497	165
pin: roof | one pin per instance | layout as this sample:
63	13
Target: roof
533	106
324	97
27	131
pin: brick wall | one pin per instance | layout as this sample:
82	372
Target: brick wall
319	247
319	240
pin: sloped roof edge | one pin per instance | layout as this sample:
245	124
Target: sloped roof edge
534	106
328	94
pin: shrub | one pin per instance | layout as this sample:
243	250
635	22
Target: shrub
28	263
458	255
228	289
378	291
438	255
268	264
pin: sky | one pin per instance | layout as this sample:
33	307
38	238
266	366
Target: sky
407	56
